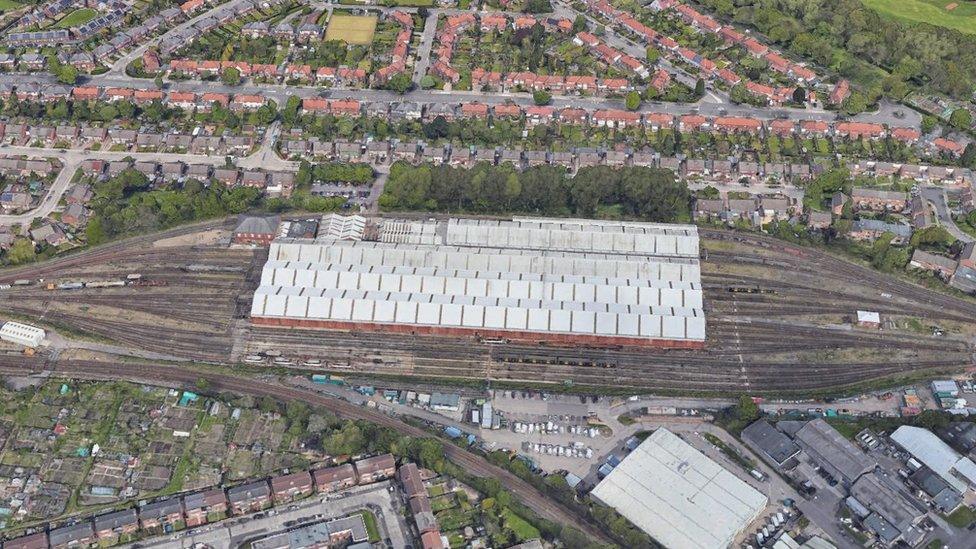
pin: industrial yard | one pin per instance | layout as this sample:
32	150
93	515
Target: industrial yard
771	309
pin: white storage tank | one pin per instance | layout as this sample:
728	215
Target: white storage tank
22	334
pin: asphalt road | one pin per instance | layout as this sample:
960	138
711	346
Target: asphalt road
888	113
54	193
234	532
937	197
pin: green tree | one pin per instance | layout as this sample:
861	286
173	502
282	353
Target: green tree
929	123
799	95
700	87
961	118
633	101
22	251
968	158
290	113
579	24
427	82
652	55
708	192
400	83
541	97
231	76
158	82
746	410
67	74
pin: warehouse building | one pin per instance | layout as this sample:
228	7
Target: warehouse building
893	515
834	453
774	446
679	496
563	281
22	334
958	471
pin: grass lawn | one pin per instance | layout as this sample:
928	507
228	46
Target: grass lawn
77	17
351	29
961	16
8	5
372	530
523	530
962	517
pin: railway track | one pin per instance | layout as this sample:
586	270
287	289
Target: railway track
846	271
106	253
443	358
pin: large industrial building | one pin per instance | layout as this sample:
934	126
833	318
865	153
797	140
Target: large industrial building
835	454
549	280
956	470
679	496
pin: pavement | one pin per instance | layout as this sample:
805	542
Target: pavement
938	198
50	201
235	532
266	158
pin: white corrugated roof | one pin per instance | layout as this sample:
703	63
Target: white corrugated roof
492	259
938	456
680	497
594	278
574	235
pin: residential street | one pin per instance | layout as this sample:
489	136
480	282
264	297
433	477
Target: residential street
890	114
53	196
234	532
937	197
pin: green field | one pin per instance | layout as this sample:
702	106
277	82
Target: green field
77	17
8	5
351	29
962	17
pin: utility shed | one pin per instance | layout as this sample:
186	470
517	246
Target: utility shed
679	496
22	334
923	445
833	452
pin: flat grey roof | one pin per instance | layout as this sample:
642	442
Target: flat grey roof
777	446
827	446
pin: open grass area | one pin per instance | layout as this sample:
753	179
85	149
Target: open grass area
77	17
953	14
372	529
351	29
8	5
962	517
520	526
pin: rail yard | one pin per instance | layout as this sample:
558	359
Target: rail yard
779	321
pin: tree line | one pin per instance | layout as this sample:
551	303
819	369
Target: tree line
855	41
648	194
126	204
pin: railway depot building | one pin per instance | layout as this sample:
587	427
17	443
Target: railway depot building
566	281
